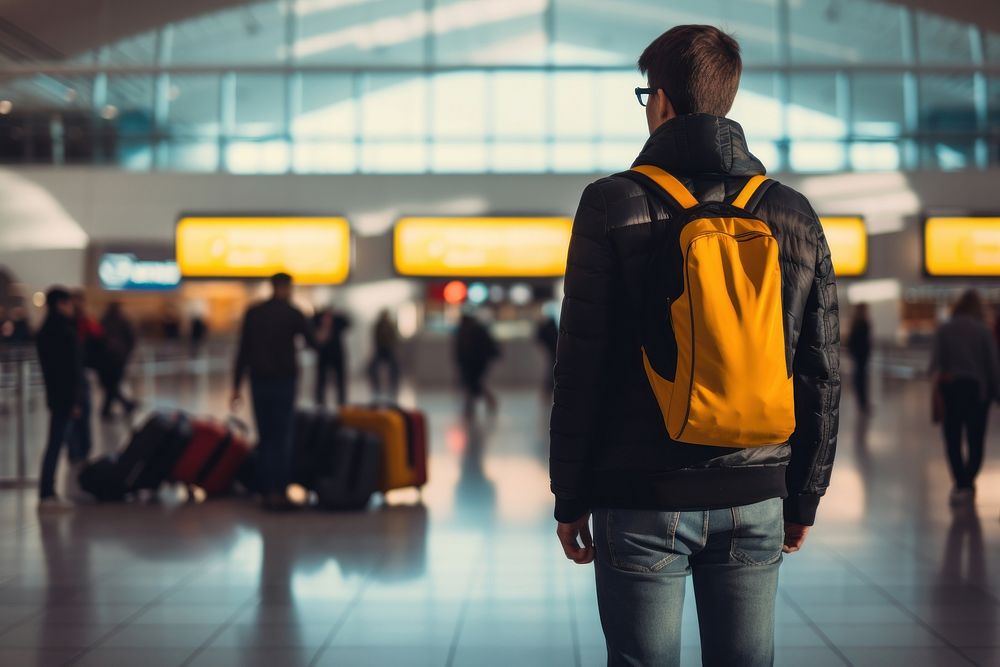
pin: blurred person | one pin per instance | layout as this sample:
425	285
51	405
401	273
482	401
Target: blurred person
965	371
475	350
198	333
664	507
547	334
119	344
267	352
170	324
859	345
385	339
60	355
21	331
91	337
332	357
14	329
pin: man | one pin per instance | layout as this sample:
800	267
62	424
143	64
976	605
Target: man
268	353
60	355
663	509
332	358
385	339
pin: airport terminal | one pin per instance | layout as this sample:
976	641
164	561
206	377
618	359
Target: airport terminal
283	285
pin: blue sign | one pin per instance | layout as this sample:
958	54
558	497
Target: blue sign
124	271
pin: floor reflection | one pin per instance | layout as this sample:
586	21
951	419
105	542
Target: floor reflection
469	572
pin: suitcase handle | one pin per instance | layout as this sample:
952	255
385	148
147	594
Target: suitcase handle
236	424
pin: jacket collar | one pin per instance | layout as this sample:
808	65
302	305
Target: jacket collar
700	144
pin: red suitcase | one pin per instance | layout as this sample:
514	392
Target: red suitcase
213	456
418	435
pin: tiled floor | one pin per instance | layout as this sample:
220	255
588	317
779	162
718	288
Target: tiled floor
473	574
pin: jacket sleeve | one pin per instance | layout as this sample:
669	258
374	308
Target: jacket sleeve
580	355
816	372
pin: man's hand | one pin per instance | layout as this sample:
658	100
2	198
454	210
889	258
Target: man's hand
795	537
235	401
568	534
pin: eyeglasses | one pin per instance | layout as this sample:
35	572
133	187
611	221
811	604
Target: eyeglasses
642	94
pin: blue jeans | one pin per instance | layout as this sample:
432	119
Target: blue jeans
80	436
643	559
273	408
60	433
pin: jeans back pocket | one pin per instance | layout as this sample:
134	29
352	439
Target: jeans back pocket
636	540
758	532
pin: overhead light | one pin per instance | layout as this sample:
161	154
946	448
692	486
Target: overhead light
520	294
455	292
478	293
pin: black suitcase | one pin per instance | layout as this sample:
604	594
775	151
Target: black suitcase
102	480
153	451
353	469
307	449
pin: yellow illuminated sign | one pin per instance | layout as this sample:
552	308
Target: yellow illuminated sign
482	247
962	246
848	241
314	250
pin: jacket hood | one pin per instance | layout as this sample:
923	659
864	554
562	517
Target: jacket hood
699	143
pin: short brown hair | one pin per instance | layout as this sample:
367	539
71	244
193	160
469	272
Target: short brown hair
970	304
697	66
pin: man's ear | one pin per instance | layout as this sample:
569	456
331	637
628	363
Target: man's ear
664	106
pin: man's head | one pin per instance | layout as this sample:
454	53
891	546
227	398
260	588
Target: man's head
281	284
692	69
59	300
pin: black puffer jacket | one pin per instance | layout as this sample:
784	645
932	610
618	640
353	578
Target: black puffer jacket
609	446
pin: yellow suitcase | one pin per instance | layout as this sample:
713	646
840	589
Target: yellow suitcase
398	469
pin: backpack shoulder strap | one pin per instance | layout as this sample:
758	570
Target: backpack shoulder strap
756	185
668	184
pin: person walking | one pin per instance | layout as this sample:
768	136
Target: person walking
475	350
332	358
385	339
859	345
119	343
60	355
697	373
267	353
965	371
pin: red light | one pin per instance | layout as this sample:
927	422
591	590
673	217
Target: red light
455	292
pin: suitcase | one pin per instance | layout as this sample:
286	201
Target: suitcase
417	426
100	479
145	463
153	451
213	456
353	471
307	454
400	465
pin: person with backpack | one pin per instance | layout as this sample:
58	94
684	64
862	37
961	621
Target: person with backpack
697	381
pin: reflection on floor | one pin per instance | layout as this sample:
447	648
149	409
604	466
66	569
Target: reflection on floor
472	575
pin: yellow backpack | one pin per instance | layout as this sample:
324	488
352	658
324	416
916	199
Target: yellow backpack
713	337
